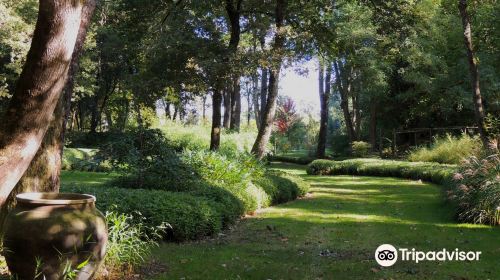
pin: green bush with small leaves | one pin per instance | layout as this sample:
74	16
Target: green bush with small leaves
426	171
360	148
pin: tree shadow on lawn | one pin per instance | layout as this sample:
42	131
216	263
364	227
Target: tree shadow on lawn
334	234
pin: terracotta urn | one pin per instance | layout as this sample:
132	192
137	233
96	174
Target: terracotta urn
54	236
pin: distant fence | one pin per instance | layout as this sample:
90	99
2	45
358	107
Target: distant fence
419	136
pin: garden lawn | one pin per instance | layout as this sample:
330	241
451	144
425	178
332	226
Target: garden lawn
333	233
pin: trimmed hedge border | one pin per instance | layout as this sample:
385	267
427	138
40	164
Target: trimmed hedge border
290	159
193	214
441	174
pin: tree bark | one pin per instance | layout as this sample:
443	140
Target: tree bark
373	124
167	110
324	96
38	90
216	120
263	93
255	95
259	147
235	105
474	72
227	109
344	89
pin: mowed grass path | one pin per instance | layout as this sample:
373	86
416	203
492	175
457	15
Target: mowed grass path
333	234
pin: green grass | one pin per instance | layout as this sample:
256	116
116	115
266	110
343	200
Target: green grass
333	235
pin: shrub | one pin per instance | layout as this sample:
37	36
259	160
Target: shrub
451	150
281	187
431	172
293	159
128	243
233	174
478	190
188	216
360	148
83	160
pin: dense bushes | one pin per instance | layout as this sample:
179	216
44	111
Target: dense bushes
196	192
83	160
432	172
293	159
360	148
478	190
450	149
281	187
186	216
193	214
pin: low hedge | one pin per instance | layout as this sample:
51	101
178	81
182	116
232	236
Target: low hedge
202	211
187	216
432	172
291	159
281	187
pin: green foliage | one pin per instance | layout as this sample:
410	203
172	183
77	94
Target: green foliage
451	150
477	191
231	173
128	242
292	159
281	187
197	137
360	148
83	160
187	216
426	171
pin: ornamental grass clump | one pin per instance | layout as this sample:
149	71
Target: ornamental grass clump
477	191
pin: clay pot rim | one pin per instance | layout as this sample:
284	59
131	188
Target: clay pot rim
50	198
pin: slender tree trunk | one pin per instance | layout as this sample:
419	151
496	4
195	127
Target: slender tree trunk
167	110
38	90
263	92
344	89
259	147
324	95
255	97
356	117
373	124
176	111
216	120
204	109
227	109
236	105
474	72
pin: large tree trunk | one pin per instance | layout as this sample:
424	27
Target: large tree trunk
344	90
473	68
38	90
259	147
216	123
324	96
233	10
235	105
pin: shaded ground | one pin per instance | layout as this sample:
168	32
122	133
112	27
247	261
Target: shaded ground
333	234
